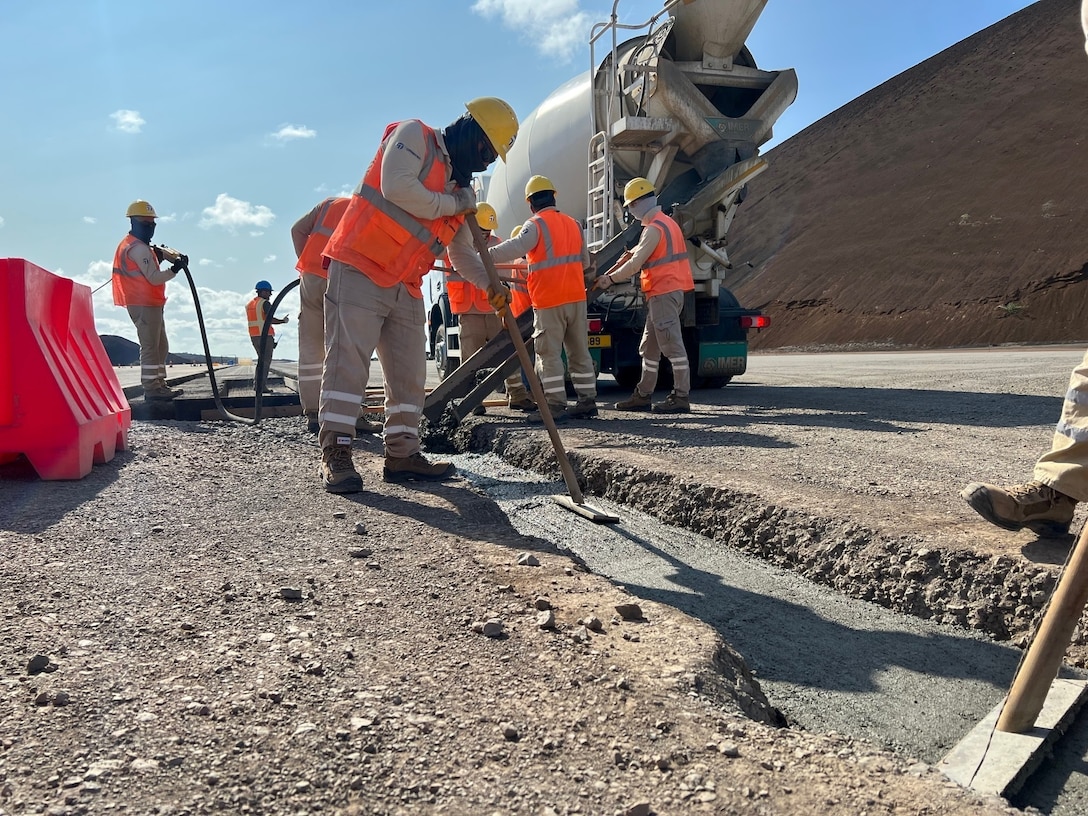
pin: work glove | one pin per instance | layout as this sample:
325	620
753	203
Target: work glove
603	282
466	201
499	299
179	264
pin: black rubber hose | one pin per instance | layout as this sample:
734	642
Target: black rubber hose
258	380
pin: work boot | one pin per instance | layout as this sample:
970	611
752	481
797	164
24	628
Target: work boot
161	392
1034	505
479	410
364	425
635	402
672	404
416	468
338	473
312	424
524	403
585	408
557	410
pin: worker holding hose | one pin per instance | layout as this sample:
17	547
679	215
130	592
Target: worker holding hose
408	209
140	286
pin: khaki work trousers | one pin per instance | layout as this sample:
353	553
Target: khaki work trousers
477	329
311	340
361	317
260	373
662	336
154	348
1065	466
555	330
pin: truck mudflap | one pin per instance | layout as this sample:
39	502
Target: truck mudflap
722	359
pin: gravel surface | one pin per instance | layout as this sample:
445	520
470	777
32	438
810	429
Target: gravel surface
197	627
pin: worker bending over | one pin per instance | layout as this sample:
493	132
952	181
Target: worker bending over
559	263
409	208
661	260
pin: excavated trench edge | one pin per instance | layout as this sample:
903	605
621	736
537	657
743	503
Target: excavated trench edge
996	595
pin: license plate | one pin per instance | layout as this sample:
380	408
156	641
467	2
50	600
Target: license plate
600	341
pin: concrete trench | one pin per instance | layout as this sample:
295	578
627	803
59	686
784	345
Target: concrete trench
996	596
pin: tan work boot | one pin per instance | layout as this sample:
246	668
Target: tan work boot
523	403
312	424
161	392
672	404
364	425
416	468
635	402
585	408
1034	505
338	473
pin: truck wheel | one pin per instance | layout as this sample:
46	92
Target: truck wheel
442	360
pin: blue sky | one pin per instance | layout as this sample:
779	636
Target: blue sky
234	117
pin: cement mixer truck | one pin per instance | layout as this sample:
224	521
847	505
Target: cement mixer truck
680	101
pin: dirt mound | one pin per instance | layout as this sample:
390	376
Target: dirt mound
943	208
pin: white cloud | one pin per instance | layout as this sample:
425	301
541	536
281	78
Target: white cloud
89	219
231	213
269	259
555	27
1	222
128	121
288	133
205	262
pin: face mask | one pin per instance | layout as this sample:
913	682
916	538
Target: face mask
143	230
642	206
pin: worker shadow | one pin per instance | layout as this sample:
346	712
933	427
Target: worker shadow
30	504
787	642
456	507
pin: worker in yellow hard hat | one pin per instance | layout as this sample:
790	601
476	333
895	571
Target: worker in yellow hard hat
140	286
411	204
661	260
553	244
477	321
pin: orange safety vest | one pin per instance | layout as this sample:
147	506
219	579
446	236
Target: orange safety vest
386	243
310	261
466	298
520	301
255	315
555	263
668	269
130	287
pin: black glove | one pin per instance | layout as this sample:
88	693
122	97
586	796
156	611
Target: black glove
179	264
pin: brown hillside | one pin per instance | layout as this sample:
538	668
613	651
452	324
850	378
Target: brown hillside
946	207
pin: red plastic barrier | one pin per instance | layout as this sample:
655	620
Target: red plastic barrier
60	402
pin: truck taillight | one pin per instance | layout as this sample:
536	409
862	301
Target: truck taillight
595	325
755	322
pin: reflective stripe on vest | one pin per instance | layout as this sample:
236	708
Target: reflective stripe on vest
255	318
555	262
669	262
130	286
310	261
383	241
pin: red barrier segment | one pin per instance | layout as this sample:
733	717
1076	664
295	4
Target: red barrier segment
61	405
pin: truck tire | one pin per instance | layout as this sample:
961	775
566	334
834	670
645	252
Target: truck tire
442	360
628	376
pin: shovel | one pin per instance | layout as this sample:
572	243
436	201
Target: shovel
574	502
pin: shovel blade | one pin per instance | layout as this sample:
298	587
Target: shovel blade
591	513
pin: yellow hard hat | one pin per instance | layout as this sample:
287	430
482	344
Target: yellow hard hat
486	217
139	207
538	184
497	120
516	231
636	188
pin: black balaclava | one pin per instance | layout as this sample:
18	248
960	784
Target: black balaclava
142	230
470	150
